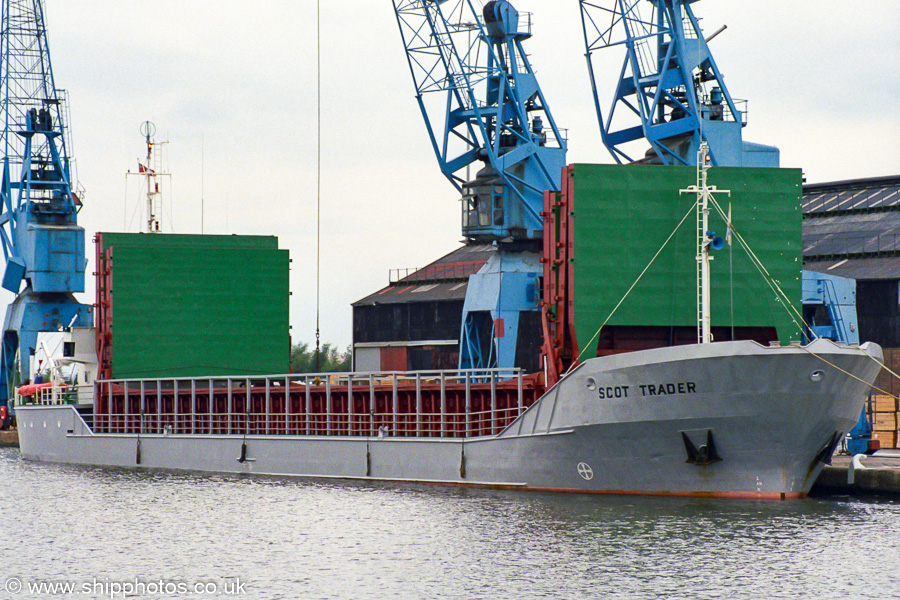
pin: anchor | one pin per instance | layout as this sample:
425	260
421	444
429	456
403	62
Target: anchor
824	455
704	455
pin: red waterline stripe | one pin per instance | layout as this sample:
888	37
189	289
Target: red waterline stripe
682	494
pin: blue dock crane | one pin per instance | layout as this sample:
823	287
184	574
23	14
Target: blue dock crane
670	91
43	246
482	106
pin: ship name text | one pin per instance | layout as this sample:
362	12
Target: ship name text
647	389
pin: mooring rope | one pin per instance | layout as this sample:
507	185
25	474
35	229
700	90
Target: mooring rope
786	303
884	366
867	384
890	371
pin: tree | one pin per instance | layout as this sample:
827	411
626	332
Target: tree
303	359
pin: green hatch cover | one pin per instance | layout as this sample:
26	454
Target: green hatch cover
191	305
623	215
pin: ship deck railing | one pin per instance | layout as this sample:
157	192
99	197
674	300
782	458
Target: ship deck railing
49	396
457	403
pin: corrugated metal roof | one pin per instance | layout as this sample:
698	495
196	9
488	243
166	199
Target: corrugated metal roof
429	292
860	268
852	228
852	235
879	193
459	264
443	280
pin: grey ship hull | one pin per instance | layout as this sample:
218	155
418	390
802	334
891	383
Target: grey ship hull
614	425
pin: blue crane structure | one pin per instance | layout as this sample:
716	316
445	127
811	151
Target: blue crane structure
829	307
829	311
670	91
482	105
43	246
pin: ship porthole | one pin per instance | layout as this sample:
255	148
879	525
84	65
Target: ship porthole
591	383
816	376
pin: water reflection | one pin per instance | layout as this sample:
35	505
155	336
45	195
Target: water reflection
293	538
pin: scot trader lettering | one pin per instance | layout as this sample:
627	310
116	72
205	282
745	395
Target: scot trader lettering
647	389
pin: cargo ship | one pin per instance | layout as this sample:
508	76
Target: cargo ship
714	419
728	419
574	352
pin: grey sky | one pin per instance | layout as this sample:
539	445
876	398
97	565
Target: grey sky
821	77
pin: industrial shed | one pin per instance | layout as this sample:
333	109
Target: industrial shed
414	322
852	229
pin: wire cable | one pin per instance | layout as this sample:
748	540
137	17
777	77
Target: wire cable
636	281
851	375
773	284
318	170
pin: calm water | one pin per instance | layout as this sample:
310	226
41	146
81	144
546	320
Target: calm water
254	538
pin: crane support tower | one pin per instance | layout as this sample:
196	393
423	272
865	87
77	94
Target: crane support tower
43	246
482	105
670	90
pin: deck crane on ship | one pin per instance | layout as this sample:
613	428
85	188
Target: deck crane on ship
43	246
483	106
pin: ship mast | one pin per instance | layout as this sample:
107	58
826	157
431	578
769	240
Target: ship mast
706	239
148	129
151	171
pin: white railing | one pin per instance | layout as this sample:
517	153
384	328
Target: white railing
458	403
52	395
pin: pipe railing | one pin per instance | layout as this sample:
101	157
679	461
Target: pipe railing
458	403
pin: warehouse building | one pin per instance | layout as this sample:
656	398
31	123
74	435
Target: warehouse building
852	229
414	322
